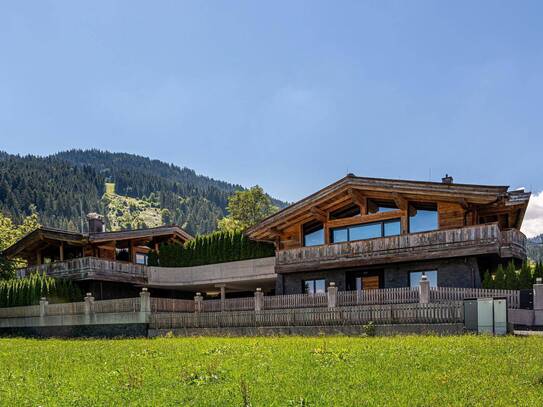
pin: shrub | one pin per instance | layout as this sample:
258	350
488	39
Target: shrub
28	291
511	277
499	278
217	247
525	276
488	282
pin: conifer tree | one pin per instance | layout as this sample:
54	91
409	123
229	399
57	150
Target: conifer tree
488	282
499	278
511	277
525	276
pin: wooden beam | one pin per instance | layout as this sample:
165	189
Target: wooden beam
358	219
319	214
400	201
360	199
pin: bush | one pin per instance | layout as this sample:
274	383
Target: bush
511	277
217	247
525	276
499	278
28	291
488	282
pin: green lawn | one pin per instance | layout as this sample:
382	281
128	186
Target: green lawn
286	371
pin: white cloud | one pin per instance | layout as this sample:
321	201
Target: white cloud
533	221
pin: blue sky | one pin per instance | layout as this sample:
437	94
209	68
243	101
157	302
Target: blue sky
290	95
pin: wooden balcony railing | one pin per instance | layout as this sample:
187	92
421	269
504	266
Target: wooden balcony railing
471	240
90	267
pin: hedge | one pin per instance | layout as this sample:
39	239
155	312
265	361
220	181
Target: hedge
509	278
28	290
217	247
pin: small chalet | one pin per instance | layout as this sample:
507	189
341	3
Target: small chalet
364	233
47	245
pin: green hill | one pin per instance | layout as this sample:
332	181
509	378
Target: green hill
64	186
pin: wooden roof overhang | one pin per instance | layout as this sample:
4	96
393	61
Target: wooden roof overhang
29	244
145	234
352	189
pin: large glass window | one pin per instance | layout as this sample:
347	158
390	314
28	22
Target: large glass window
313	234
392	228
366	231
362	232
381	206
314	286
423	218
415	276
340	235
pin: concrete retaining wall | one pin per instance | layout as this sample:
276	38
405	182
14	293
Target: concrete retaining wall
79	331
352	330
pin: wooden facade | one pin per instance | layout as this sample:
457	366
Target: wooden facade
467	220
47	245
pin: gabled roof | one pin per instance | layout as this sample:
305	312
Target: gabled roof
411	190
76	238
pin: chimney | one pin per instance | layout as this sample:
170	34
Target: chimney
447	179
96	223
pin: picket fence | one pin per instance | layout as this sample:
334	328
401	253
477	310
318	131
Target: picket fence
444	312
458	294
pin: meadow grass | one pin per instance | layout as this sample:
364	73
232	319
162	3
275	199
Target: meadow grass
280	371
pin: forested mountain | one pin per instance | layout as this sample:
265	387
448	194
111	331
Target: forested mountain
535	248
61	187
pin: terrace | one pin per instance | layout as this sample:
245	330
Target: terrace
486	239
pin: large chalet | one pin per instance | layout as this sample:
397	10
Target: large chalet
364	233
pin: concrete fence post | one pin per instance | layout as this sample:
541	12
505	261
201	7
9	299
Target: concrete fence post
198	302
332	295
424	290
259	299
89	308
43	310
538	295
89	304
145	301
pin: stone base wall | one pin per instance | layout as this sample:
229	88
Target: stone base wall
460	272
351	330
79	331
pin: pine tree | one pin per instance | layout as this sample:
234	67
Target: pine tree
499	278
511	277
525	276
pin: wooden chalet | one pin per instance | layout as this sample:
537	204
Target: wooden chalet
116	259
364	233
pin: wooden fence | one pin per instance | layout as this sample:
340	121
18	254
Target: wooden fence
458	294
171	305
402	295
450	312
295	301
117	306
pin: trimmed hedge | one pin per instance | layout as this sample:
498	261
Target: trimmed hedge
510	279
217	247
28	291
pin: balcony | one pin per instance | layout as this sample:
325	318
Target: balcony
91	268
466	241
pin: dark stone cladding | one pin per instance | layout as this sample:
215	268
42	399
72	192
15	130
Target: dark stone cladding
79	331
454	272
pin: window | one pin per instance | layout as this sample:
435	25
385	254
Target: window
362	232
422	218
366	231
381	206
392	228
415	276
313	234
345	212
314	286
141	258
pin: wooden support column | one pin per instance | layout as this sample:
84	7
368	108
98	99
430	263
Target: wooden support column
61	250
39	260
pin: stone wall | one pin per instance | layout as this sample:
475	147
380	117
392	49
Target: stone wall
455	272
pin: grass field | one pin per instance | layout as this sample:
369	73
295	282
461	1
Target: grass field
288	371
